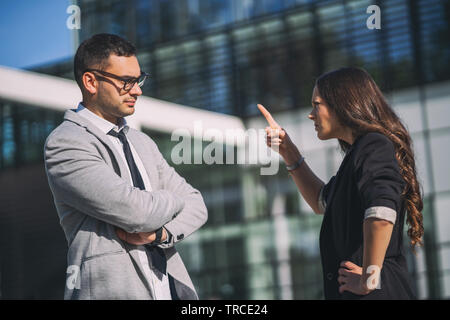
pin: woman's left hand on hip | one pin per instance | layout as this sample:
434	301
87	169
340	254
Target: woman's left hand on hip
350	279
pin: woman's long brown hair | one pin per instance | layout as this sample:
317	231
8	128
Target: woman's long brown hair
360	105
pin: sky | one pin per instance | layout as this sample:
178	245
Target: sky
34	32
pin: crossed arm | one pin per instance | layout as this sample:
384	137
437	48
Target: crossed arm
80	178
140	238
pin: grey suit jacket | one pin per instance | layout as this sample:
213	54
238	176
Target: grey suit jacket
93	194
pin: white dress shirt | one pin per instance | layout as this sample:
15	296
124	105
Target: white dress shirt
158	281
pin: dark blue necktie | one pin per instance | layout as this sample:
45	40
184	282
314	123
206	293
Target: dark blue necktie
135	175
158	257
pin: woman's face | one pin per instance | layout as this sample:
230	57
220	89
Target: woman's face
325	120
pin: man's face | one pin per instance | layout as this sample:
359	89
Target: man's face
111	101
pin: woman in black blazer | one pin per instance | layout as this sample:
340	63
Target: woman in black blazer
365	203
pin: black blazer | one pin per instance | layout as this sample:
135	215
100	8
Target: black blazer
369	176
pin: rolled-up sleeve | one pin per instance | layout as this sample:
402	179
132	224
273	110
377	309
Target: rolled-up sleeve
378	178
384	213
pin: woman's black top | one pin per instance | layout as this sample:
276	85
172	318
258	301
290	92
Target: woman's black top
369	176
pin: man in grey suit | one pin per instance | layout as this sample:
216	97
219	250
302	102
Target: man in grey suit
122	207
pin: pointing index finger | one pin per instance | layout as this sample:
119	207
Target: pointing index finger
272	123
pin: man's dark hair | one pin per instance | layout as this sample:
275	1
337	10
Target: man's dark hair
95	51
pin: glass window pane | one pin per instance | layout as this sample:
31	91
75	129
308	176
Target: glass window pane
438	102
444	258
441	153
446	285
420	154
406	104
442	218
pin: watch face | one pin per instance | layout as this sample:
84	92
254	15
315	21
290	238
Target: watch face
159	233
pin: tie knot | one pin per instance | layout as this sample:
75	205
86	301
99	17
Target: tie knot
120	134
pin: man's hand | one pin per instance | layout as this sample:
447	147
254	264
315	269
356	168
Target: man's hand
140	238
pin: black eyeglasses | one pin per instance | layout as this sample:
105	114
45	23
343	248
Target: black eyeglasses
128	82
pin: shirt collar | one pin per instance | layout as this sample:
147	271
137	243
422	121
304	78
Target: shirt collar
104	125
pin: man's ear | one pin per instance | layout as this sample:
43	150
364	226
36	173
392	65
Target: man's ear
89	82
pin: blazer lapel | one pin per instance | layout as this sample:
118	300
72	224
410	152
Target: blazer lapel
71	115
338	177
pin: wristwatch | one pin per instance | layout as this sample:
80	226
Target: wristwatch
158	238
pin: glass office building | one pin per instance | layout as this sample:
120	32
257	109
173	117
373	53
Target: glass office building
261	240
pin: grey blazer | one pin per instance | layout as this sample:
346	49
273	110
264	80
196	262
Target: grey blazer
93	194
